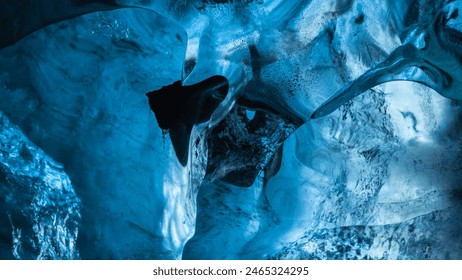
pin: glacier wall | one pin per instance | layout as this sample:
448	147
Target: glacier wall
75	96
339	137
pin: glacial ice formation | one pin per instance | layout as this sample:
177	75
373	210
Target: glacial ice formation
271	129
40	211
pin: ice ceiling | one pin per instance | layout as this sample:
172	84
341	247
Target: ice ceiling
262	129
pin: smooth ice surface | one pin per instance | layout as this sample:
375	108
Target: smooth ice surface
340	136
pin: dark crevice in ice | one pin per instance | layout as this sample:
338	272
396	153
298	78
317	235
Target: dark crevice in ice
239	148
178	108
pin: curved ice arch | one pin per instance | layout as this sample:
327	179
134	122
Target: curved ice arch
439	60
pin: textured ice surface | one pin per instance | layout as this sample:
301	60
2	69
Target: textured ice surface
377	178
40	211
76	89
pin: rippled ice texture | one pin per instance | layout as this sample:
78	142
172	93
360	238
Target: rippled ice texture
76	89
85	172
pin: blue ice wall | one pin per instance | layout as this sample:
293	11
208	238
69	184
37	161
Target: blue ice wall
85	79
339	137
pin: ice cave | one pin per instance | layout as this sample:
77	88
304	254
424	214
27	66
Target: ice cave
231	129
